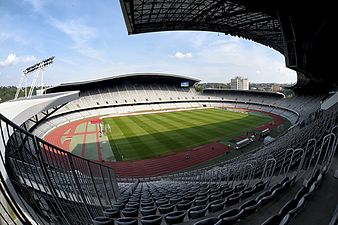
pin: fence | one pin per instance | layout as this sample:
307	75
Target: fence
60	187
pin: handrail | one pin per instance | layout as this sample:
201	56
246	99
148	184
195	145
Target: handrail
57	181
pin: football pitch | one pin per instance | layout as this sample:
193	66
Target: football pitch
149	135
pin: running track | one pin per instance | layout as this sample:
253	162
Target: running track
154	166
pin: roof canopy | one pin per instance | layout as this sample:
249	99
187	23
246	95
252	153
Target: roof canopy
303	31
132	79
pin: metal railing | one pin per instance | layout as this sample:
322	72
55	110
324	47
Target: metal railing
60	187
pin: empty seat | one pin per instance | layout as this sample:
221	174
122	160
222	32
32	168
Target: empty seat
101	220
175	217
260	186
230	217
248	192
151	220
293	212
201	201
126	221
216	206
233	199
148	210
118	205
183	205
161	202
197	212
228	192
111	213
166	208
175	200
147	203
207	221
130	212
215	197
239	187
250	207
132	205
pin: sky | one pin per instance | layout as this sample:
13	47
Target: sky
89	40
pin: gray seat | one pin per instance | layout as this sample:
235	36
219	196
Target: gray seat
148	210
197	212
130	212
151	220
230	217
166	208
118	205
233	199
207	221
111	213
201	201
183	205
127	221
101	220
216	206
175	217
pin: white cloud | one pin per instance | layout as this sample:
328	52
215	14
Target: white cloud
6	36
12	59
81	34
180	55
37	4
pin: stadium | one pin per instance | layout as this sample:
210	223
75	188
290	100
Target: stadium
148	149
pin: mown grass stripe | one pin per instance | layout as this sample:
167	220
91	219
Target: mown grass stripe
126	149
144	136
160	137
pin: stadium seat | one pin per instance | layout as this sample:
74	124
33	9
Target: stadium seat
111	213
151	220
103	221
216	205
175	217
197	212
233	199
201	201
207	221
293	212
183	205
127	221
130	212
166	208
118	206
148	210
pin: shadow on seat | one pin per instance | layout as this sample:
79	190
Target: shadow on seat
148	210
197	212
127	221
111	213
175	217
101	220
151	220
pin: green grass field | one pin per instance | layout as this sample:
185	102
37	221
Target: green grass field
145	136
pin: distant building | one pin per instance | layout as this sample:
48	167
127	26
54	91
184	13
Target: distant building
276	87
239	83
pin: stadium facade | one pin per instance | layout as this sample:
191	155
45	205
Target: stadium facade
44	184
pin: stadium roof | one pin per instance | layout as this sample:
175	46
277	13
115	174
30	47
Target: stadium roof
301	30
145	77
23	109
220	16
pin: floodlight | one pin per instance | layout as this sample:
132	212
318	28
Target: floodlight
39	65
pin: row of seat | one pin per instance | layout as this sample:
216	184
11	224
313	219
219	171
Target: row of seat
193	206
288	212
232	216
